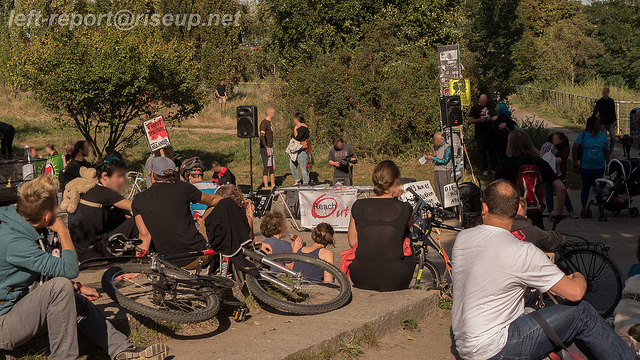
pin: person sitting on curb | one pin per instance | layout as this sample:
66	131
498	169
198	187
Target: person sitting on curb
322	236
275	230
192	171
222	175
163	213
491	272
54	305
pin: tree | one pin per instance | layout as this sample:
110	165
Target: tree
617	27
105	79
492	28
568	50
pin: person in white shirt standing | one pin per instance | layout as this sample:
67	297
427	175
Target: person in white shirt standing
492	269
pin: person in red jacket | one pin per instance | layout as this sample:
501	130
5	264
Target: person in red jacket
222	175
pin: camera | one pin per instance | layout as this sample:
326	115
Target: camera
347	162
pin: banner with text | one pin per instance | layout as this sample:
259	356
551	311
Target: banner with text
332	206
422	189
451	197
156	133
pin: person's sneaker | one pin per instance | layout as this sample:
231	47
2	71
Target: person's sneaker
485	173
154	352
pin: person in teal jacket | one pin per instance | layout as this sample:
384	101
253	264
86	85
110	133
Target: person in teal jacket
58	305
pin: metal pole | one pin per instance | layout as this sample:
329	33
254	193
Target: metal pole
251	164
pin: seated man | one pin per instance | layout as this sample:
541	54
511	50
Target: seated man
53	305
492	269
222	175
163	213
102	212
192	171
523	229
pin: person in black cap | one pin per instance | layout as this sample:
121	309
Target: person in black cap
163	213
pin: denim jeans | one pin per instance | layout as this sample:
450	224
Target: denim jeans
611	129
571	322
548	192
302	162
589	177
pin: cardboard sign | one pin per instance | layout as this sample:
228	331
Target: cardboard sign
462	88
423	189
156	133
451	196
332	206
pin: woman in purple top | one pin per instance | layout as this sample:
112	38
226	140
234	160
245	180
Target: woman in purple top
322	236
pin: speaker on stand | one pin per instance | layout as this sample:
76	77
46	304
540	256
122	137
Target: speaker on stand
451	115
247	128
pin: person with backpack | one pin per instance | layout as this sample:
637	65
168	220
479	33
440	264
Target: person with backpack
590	157
529	172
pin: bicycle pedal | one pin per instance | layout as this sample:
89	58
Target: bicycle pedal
240	314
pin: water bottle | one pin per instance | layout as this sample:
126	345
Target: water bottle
28	169
55	246
224	267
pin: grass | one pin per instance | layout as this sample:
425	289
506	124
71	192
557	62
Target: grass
369	336
350	347
445	302
410	324
35	127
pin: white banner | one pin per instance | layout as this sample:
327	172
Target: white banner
423	189
332	206
156	133
451	197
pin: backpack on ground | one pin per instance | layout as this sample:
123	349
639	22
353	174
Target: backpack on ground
530	187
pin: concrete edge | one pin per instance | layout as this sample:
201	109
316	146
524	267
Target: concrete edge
418	309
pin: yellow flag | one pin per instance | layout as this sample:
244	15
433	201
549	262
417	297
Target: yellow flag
462	88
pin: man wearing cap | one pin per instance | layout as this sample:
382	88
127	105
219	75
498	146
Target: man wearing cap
163	212
192	171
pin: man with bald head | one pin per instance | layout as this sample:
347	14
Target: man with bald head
266	149
442	158
483	117
491	271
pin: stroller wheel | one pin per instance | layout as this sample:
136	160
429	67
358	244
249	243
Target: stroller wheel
633	212
615	212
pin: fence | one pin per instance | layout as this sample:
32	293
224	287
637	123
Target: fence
581	104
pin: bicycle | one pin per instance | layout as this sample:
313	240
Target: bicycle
604	279
154	287
135	178
428	276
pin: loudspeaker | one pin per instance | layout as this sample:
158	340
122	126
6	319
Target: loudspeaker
247	121
453	110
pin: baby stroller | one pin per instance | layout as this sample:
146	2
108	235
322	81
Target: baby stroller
615	192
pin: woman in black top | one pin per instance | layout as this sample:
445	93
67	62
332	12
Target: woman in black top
300	133
102	212
378	227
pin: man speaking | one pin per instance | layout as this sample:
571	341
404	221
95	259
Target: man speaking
442	158
342	157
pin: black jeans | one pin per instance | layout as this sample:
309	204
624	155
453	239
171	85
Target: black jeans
485	146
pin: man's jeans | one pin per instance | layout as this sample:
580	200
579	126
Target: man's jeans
612	134
55	306
571	322
302	161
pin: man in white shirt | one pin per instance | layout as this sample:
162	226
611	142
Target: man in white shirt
492	269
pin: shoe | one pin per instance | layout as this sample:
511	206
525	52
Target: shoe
154	352
485	173
297	183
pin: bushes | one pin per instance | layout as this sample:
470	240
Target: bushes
382	97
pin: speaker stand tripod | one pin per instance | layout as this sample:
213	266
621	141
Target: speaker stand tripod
251	165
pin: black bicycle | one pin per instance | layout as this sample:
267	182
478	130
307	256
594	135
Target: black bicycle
425	221
591	259
154	287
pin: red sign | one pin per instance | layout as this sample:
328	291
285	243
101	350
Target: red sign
156	133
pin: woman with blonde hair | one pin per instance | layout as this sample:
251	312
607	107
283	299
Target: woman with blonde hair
524	163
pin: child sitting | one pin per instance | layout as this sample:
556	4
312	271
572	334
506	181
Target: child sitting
322	237
275	230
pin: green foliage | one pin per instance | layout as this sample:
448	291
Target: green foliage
617	27
382	96
492	28
536	129
350	347
302	31
410	324
105	79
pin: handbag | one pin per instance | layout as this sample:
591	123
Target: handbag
566	353
347	258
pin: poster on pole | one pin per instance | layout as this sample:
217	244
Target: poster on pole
449	66
462	88
156	133
332	206
457	143
451	197
422	189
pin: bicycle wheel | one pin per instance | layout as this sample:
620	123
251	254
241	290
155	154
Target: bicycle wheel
604	280
166	300
310	295
427	276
